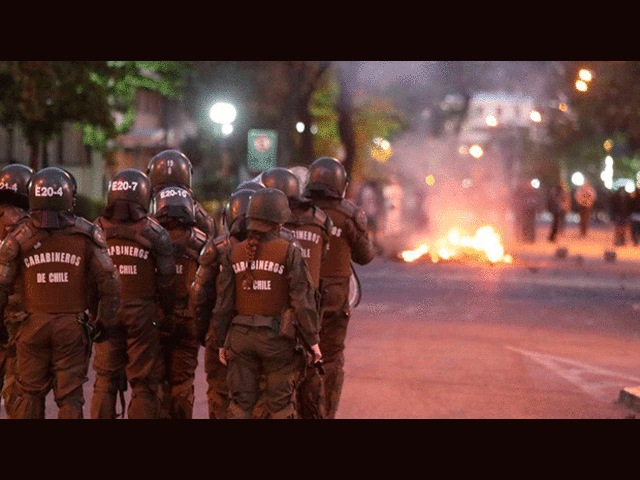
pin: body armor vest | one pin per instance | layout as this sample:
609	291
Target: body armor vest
261	284
312	236
187	246
338	260
54	279
132	254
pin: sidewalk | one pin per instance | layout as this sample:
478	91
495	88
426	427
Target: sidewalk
589	249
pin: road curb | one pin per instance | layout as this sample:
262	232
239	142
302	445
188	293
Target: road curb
630	397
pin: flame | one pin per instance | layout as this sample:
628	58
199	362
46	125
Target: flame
485	244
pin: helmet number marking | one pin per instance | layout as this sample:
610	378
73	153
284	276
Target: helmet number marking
124	185
6	186
170	165
48	191
170	192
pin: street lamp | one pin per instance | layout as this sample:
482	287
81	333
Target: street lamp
223	114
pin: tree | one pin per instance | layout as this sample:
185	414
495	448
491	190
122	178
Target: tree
43	96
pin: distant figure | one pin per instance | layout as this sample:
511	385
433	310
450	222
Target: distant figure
369	199
527	203
585	197
634	216
559	205
620	209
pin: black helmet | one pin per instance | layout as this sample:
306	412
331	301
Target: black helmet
267	208
250	185
52	188
132	185
283	180
327	174
176	203
170	168
14	185
235	211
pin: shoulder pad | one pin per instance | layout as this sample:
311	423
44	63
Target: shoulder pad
11	215
92	231
198	239
223	242
155	225
158	237
322	219
355	213
286	234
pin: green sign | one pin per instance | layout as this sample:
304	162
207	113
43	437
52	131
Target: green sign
263	145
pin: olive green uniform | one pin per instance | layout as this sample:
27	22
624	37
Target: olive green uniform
10	217
311	227
60	270
349	241
247	319
143	254
203	298
180	345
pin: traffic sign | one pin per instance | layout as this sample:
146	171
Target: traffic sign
262	151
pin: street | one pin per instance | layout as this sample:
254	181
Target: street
542	338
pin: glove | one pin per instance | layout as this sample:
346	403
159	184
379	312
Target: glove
99	333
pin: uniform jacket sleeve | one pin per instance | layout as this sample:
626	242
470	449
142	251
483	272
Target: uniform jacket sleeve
224	310
302	296
107	282
203	291
362	250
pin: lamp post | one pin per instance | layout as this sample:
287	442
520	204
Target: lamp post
223	114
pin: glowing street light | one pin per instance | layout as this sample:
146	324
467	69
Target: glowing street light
535	116
476	151
491	121
222	113
535	183
581	85
577	179
585	75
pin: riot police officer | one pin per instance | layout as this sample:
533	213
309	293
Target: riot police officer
349	241
174	208
311	227
14	204
142	251
265	289
172	168
203	298
61	262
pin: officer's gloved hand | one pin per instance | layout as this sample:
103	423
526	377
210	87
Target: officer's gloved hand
99	333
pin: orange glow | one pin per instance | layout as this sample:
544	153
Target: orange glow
484	245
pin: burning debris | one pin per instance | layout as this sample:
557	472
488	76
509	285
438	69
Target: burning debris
484	246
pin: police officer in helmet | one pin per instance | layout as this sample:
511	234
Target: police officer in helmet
172	168
14	204
142	251
349	241
62	263
311	227
174	208
264	283
203	298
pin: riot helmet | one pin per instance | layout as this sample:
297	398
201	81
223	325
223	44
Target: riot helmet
52	188
283	180
130	185
175	203
14	185
252	185
235	211
170	168
327	174
267	208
